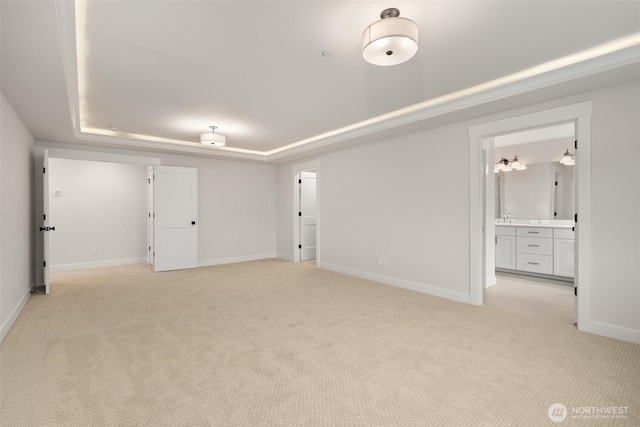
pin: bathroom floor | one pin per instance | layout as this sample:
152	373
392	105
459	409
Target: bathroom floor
532	296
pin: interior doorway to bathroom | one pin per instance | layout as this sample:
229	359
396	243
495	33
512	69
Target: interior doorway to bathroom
533	205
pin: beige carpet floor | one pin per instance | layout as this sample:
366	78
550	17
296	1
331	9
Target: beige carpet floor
532	296
275	343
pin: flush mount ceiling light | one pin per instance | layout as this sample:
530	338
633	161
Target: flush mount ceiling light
213	139
567	159
391	40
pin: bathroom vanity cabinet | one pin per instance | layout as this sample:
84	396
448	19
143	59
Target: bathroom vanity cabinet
547	249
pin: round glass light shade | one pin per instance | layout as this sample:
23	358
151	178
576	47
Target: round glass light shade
390	41
214	139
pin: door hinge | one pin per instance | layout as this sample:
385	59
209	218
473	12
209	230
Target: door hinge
496	239
148	180
556	183
149	248
299	213
149	214
575	144
299	246
573	229
45	263
44	170
555	214
299	181
44	217
576	218
575	290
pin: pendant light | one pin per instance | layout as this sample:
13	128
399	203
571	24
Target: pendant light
391	40
567	159
213	139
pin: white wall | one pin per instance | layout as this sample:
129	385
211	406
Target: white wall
103	206
16	229
616	206
402	199
390	199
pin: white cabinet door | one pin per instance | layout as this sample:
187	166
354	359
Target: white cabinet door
564	257
506	252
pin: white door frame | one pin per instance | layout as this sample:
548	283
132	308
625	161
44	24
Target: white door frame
580	114
295	172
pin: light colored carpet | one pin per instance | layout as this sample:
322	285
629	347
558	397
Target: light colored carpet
532	296
272	343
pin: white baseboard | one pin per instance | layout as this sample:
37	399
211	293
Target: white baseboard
231	260
6	326
612	331
401	283
491	281
97	264
287	257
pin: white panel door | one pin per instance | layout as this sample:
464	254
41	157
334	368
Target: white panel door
175	218
307	215
45	223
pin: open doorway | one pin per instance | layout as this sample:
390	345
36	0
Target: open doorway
481	214
91	213
533	204
306	206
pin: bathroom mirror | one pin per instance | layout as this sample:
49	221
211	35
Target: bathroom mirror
542	191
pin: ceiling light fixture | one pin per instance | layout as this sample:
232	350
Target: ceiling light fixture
213	139
391	40
567	159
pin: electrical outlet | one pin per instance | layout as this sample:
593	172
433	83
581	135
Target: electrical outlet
94	251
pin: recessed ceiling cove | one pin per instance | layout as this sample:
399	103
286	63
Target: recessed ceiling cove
153	74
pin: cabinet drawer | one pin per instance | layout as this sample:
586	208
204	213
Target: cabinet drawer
535	232
563	233
535	245
502	230
535	263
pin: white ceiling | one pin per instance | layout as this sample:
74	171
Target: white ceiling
161	72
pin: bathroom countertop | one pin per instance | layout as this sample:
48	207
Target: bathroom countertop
516	224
